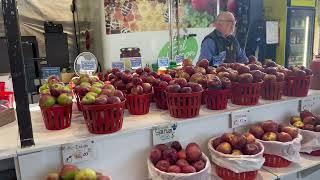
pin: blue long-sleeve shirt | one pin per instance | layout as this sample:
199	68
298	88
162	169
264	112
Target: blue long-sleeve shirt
208	51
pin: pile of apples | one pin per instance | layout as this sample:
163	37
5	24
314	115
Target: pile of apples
236	144
272	131
135	83
107	95
72	172
306	121
175	159
54	92
85	83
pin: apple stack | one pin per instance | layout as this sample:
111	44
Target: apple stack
136	86
236	156
273	81
56	104
159	93
103	111
297	81
281	143
84	84
308	124
174	162
72	172
246	81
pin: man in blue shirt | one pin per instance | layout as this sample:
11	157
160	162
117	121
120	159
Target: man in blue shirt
220	46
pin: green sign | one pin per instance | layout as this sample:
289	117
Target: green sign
188	47
305	3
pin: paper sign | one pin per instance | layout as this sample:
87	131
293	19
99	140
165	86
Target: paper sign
78	152
272	32
239	118
179	59
308	103
118	64
163	62
165	133
88	65
136	62
50	71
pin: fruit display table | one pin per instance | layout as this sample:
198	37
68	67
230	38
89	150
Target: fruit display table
117	153
9	140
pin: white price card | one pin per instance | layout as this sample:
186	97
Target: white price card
78	152
163	62
239	118
308	103
165	133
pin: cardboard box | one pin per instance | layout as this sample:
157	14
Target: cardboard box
7	116
66	77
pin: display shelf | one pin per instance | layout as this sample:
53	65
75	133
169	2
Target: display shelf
9	140
262	175
306	162
77	132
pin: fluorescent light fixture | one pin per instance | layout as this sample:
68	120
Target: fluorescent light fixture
306	40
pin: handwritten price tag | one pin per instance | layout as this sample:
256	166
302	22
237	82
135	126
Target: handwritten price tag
239	118
78	152
307	103
164	134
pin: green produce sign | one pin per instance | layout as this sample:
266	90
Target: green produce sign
188	47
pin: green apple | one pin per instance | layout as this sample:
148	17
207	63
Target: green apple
85	84
86	174
92	94
67	89
95	89
47	100
43	87
68	172
64	99
88	99
98	84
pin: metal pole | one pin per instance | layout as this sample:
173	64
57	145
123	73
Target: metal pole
170	31
11	23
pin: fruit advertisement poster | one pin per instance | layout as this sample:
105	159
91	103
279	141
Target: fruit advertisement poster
124	16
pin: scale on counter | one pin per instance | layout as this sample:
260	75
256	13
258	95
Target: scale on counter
85	63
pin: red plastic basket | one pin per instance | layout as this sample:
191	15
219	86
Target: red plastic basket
315	153
227	174
272	91
275	161
57	117
7	96
160	97
138	104
297	86
217	99
184	105
2	86
245	94
103	119
204	97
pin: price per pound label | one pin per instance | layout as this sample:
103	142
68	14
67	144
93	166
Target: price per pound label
78	152
136	62
239	118
119	65
164	134
308	103
163	62
179	59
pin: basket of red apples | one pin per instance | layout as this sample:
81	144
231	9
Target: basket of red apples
83	85
103	112
281	143
217	92
273	81
72	172
159	89
297	81
56	104
184	98
246	82
174	162
236	156
309	127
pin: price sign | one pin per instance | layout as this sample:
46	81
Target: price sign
308	103
163	62
165	133
118	64
50	71
85	63
78	152
88	65
136	62
179	59
239	118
